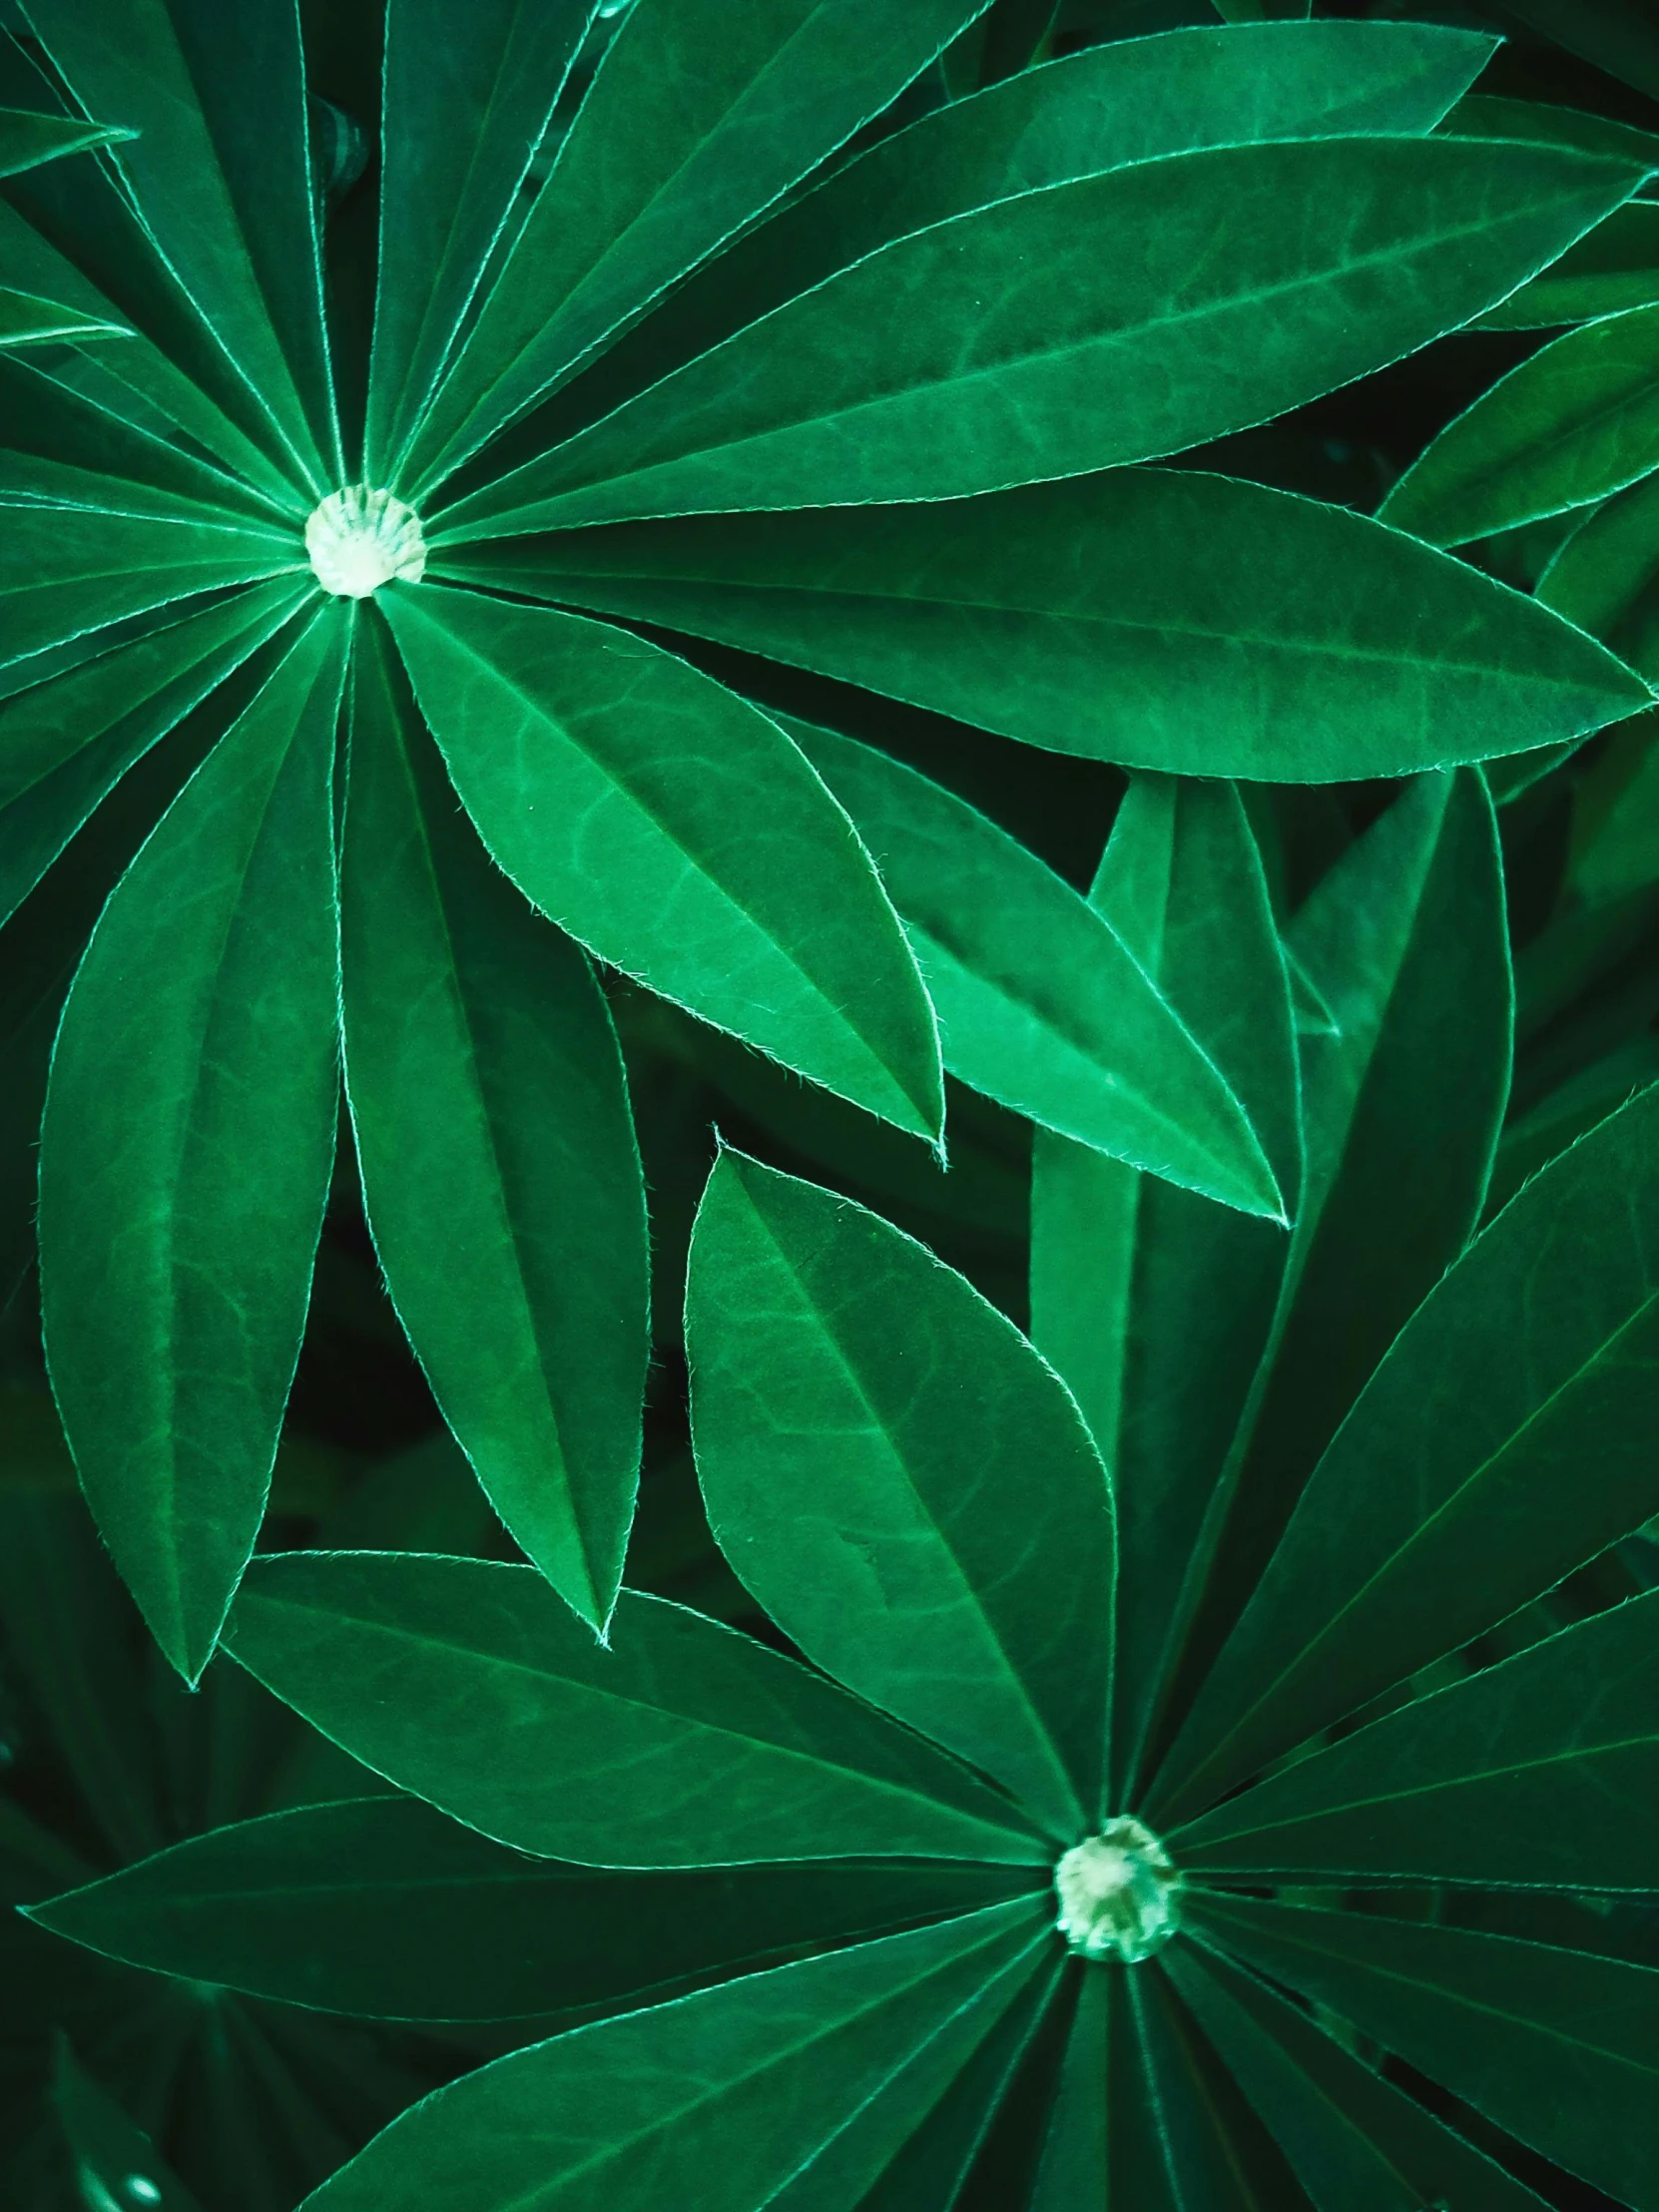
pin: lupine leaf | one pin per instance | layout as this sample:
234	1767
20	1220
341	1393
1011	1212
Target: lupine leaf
620	789
1166	619
1041	1004
1215	2153
28	139
1501	1443
115	2162
178	1227
718	2099
26	321
1611	270
1481	115
1015	347
683	1745
1602	577
499	1168
901	1482
1101	2145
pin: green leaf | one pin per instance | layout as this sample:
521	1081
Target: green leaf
26	321
1101	2145
28	139
220	168
843	1384
381	1906
1356	2143
1481	115
677	834
1543	1770
1502	1443
717	2101
115	2163
1154	1303
469	96
186	1154
1561	2049
1602	577
500	1173
1616	35
683	1745
1612	269
699	117
1163	618
1579	419
1215	2153
1043	1005
1010	344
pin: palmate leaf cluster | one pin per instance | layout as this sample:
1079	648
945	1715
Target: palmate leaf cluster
758	413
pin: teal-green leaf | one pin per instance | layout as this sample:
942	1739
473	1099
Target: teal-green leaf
1602	577
1559	2047
1611	270
1481	115
383	1907
114	2161
1543	1770
681	1745
1502	1443
26	321
187	1150
716	2100
1101	2145
1043	1004
1579	419
679	834
1153	1302
699	117
1216	2154
1164	618
1013	343
28	139
903	1483
500	1174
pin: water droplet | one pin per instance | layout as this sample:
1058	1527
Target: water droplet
359	539
141	2189
1119	1893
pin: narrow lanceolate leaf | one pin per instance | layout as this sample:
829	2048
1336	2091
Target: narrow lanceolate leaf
469	95
1215	2151
677	834
716	2100
26	321
901	1482
1559	2047
28	139
683	1745
1153	1302
1041	1003
1100	2145
383	1907
1544	1770
1501	1442
1538	122
1575	421
1358	2143
1163	618
499	1168
1603	577
1611	270
186	1154
1013	343
698	119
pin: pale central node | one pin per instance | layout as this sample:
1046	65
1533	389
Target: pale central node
359	539
1119	1893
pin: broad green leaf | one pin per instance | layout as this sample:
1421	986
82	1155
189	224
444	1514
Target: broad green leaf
1481	115
220	169
1358	2143
381	1906
1216	2152
1543	1770
26	321
66	743
1559	2047
1012	343
1153	1302
1579	419
1603	577
186	1154
1502	1443
1043	1004
28	139
681	1745
679	834
469	95
1163	618
903	1483
700	117
67	570
1611	270
718	2099
500	1173
1405	941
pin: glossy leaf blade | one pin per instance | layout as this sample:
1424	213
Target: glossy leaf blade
1501	1442
500	1173
186	1154
1577	420
1559	2047
718	2099
1016	345
901	1482
677	834
683	1745
1166	619
1041	1004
